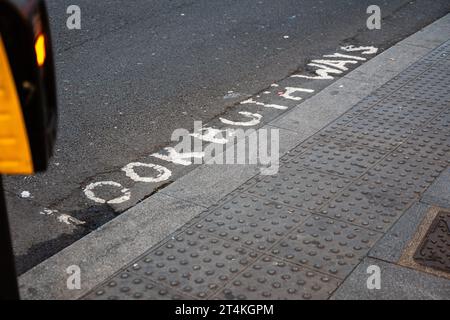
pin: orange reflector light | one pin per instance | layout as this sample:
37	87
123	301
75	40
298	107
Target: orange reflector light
39	47
15	154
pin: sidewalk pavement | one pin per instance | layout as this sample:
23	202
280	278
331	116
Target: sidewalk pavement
370	188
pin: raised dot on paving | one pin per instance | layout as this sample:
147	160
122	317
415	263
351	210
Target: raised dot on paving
194	264
272	279
326	245
128	286
299	187
251	221
367	205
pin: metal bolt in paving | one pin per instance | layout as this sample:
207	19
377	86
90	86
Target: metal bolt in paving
300	233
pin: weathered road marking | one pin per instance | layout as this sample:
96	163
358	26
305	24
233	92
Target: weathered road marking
327	67
89	192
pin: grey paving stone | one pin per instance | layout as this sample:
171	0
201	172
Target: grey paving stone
441	122
439	192
313	114
397	283
207	184
298	187
403	111
193	263
252	222
390	247
288	139
391	62
412	168
371	134
273	279
128	286
339	158
369	205
430	36
424	87
326	245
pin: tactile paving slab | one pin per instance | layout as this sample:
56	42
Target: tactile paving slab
299	187
194	264
411	168
372	206
442	123
429	142
340	158
434	251
362	106
128	286
251	221
327	245
424	87
301	148
432	141
437	55
273	279
370	133
400	111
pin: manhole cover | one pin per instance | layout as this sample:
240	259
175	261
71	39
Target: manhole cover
434	251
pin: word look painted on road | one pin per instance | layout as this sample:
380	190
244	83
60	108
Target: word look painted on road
325	68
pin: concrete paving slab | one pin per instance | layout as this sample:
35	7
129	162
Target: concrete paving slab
321	109
432	35
397	283
439	192
207	184
388	64
390	248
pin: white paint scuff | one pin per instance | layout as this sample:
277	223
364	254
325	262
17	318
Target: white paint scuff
25	194
48	212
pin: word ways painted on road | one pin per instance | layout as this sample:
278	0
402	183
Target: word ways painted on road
325	68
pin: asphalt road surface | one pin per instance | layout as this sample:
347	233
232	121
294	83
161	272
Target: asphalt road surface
137	70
